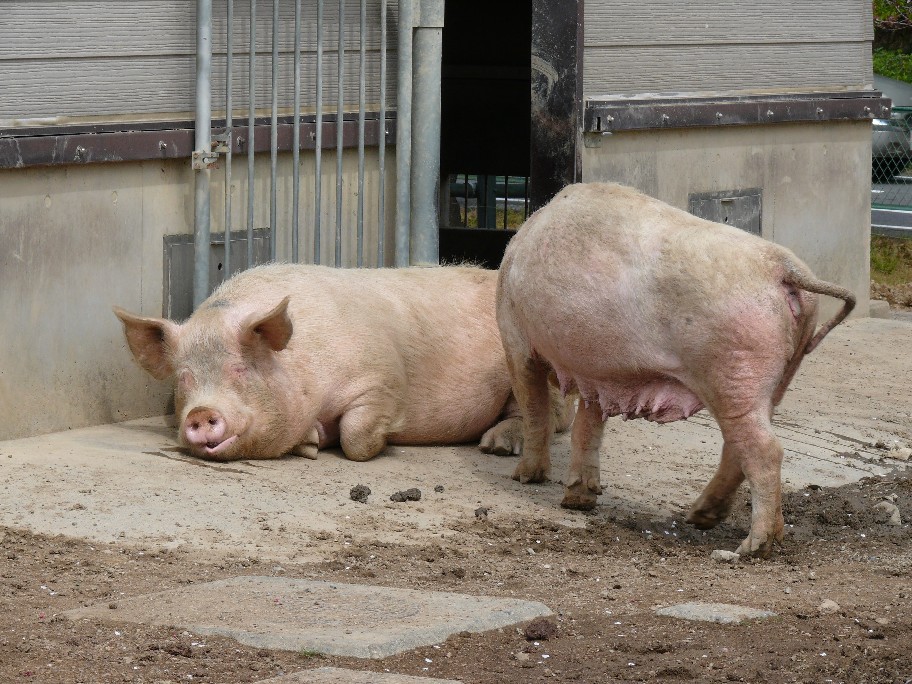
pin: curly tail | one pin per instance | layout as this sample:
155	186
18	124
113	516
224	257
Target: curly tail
806	281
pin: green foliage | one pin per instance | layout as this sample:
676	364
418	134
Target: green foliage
891	260
893	64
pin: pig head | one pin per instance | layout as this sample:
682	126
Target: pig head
650	312
232	393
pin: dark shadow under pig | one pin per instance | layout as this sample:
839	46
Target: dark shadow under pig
291	358
650	312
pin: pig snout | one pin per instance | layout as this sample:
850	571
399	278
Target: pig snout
205	429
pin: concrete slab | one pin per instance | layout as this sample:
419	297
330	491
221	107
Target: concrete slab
129	484
353	620
335	675
723	613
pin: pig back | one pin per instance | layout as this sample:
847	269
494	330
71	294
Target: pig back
608	274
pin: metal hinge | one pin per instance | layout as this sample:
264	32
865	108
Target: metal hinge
203	159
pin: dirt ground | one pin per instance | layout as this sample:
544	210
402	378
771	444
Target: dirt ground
841	584
602	581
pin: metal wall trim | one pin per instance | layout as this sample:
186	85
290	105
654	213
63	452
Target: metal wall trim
60	148
627	114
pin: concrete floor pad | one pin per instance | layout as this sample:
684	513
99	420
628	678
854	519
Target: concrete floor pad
352	620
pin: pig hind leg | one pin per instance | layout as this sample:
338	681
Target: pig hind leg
752	452
505	438
583	481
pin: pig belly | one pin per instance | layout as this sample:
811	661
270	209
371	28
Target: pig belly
659	399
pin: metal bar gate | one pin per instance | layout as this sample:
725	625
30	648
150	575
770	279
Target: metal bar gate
286	109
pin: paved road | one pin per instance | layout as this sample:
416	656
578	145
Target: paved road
891	212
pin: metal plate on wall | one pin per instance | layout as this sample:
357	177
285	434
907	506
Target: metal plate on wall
178	294
738	208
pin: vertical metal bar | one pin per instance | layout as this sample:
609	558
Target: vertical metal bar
339	130
318	148
381	153
203	144
465	206
424	240
251	130
526	199
229	136
506	199
404	132
361	96
296	135
274	135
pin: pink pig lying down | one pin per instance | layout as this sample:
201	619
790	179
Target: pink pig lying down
653	313
291	358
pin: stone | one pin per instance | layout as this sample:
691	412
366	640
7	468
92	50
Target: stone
891	510
900	453
725	556
723	613
880	308
828	607
336	675
353	620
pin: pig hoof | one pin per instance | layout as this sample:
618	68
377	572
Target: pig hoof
706	516
527	475
754	546
504	439
306	450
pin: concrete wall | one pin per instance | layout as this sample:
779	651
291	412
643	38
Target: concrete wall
815	180
75	240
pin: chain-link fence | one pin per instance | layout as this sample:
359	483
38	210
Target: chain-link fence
891	167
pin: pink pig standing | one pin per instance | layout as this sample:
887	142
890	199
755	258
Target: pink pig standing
292	358
653	313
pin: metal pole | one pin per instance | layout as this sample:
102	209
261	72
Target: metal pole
361	96
274	135
381	153
340	103
428	46
251	131
229	138
296	135
318	142
404	132
202	225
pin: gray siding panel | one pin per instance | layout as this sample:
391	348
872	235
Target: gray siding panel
727	69
112	59
165	85
666	46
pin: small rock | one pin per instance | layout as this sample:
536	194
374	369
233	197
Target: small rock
412	494
521	656
900	453
725	556
788	590
359	493
481	512
828	607
883	622
438	489
540	629
891	510
722	613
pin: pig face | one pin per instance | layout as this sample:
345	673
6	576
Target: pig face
232	396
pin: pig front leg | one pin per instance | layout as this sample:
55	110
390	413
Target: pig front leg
530	385
310	446
364	430
583	481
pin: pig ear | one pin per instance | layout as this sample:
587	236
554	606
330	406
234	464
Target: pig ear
151	340
274	329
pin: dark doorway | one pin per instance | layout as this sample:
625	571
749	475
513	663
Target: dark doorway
485	127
